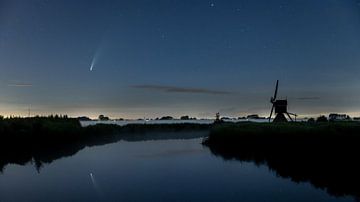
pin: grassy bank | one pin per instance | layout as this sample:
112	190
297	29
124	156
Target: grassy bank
324	154
283	134
63	128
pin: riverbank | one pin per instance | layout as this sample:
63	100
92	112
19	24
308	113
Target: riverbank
260	135
45	139
324	154
70	128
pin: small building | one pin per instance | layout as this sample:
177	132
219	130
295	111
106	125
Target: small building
338	117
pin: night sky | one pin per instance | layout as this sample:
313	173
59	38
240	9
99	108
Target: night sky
178	57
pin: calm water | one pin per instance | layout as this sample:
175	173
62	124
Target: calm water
175	121
159	170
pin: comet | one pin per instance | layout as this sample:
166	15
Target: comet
98	52
96	56
93	61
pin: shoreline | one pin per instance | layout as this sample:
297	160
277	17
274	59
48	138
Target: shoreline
43	140
324	154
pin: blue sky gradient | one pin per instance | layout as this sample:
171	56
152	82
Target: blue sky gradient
143	48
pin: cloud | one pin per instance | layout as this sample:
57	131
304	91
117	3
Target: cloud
228	110
174	89
20	85
308	98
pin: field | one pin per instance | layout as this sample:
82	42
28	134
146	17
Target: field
324	154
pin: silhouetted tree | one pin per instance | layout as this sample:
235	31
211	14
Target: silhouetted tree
311	120
217	117
166	118
103	118
185	118
322	119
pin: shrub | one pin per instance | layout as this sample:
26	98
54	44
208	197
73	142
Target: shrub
322	119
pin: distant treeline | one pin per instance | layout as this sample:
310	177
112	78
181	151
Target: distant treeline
326	154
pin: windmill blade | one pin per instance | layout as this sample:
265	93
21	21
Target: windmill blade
276	89
289	117
272	109
292	114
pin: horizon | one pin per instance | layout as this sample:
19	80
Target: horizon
136	59
116	118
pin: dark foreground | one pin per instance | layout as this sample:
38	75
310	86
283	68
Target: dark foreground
324	154
45	139
173	170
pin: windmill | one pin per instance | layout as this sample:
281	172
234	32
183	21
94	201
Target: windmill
280	107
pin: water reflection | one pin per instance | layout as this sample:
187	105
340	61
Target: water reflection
332	169
161	170
45	154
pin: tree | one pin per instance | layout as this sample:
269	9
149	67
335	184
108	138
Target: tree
103	118
166	118
311	120
322	119
185	118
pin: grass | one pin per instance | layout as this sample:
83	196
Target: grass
59	128
283	134
324	154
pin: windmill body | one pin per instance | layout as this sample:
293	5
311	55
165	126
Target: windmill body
280	107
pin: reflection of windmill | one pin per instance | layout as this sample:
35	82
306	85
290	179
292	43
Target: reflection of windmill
280	108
